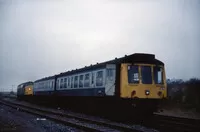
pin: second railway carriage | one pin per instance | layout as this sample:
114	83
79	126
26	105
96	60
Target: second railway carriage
134	81
92	81
44	90
45	86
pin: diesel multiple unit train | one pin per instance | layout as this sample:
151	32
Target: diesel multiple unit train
136	81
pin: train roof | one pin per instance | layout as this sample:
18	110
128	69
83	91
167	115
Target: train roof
26	83
46	78
133	58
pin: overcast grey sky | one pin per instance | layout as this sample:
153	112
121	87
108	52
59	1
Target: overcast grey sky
40	38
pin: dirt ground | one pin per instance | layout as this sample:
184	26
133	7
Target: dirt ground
179	111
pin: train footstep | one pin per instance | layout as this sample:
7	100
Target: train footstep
161	110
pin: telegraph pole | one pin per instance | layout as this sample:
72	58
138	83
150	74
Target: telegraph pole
12	87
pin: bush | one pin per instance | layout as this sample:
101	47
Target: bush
187	92
193	92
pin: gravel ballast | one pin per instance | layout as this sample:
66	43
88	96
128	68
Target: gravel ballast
16	121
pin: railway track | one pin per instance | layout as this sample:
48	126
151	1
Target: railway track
159	122
72	120
177	124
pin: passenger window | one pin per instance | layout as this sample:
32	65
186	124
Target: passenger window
52	85
80	81
92	78
133	74
65	83
69	80
72	82
146	74
61	83
158	75
99	78
75	81
58	84
87	80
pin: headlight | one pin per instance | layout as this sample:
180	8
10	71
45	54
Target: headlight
147	92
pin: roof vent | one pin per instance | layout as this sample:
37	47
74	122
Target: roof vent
144	56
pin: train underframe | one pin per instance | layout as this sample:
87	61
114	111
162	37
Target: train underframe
112	107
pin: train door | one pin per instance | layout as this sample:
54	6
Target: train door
110	79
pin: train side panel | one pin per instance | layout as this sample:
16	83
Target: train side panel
88	83
96	82
20	90
44	87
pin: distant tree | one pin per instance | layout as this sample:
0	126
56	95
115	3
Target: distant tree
187	92
175	89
